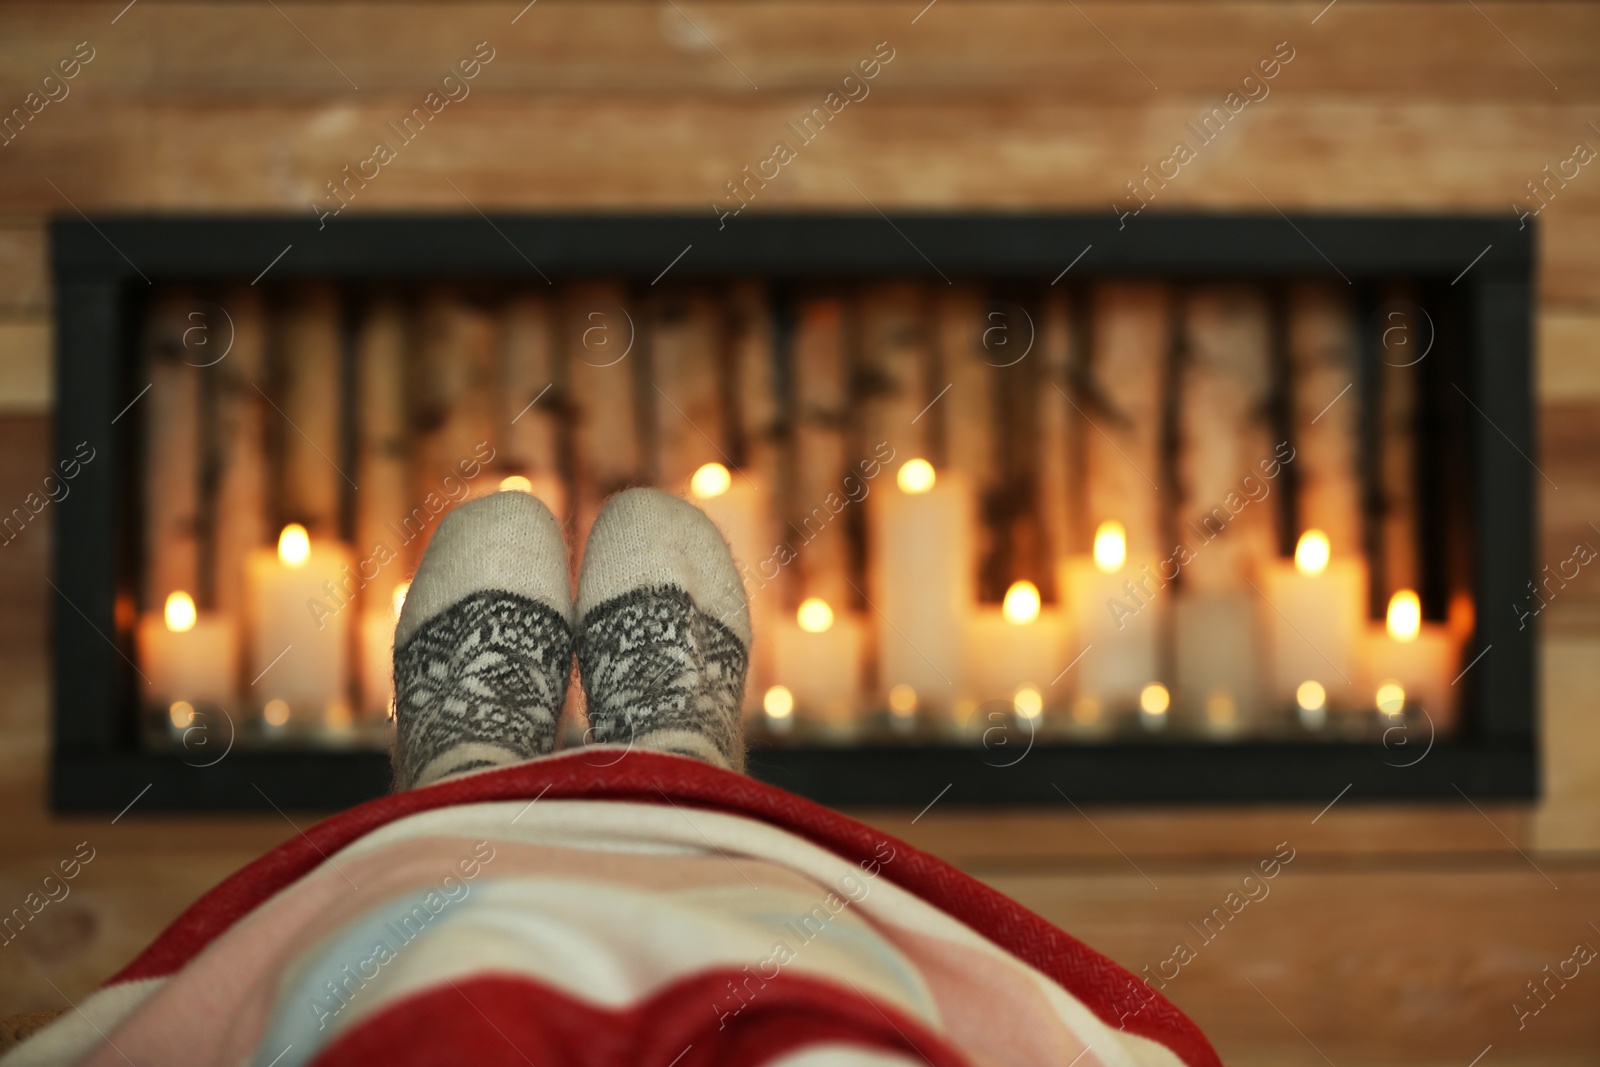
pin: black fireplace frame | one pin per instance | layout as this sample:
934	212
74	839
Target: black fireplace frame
101	265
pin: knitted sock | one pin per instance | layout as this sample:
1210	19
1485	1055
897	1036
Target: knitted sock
664	631
484	645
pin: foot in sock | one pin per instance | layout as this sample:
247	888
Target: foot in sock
483	649
664	630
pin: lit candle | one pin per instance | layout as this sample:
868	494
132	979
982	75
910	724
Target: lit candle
300	626
818	660
1020	644
1411	663
187	656
1115	619
922	548
1314	614
777	704
377	653
736	505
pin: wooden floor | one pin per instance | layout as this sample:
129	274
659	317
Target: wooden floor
1393	935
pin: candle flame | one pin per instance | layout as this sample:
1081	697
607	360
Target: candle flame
1021	604
711	480
814	616
1311	696
180	614
1110	547
1391	698
181	712
1405	616
1155	699
515	483
916	476
276	712
1311	553
902	700
294	545
778	702
1028	702
400	592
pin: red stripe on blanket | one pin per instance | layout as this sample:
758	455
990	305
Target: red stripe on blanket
505	1021
1111	992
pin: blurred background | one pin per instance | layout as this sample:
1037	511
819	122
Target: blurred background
1418	932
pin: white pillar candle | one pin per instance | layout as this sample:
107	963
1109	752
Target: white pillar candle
377	652
817	658
1016	646
1420	658
1218	665
1314	611
736	503
922	552
188	656
295	595
1115	619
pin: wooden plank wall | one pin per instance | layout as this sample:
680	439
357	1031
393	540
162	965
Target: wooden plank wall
1399	935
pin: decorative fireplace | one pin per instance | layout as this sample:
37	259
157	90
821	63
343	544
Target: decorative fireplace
1027	507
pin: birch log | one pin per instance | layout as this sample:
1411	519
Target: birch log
963	419
172	455
754	419
381	440
821	408
453	418
1325	416
1053	352
604	339
686	388
1225	433
1397	375
241	522
1122	441
892	373
531	405
309	476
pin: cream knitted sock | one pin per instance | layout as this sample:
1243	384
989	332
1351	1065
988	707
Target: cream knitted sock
664	631
484	645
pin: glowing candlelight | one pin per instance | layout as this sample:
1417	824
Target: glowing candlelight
1391	698
1313	613
516	483
1404	620
187	657
1311	553
180	614
915	476
814	616
1021	604
710	481
778	702
1110	547
1028	702
294	545
301	624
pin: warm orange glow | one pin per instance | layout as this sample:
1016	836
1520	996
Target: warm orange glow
181	713
180	613
1021	604
916	476
711	480
778	702
1311	696
294	545
902	699
814	616
1086	711
276	712
1391	698
1110	547
515	483
400	592
1220	708
1405	616
1028	702
1311	553
1155	699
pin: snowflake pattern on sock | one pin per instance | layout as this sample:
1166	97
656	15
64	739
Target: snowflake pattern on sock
652	661
492	669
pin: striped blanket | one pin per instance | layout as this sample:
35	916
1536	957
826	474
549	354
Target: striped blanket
655	910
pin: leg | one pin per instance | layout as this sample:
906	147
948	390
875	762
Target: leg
664	630
483	649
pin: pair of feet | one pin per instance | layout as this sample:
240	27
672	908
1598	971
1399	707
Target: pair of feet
485	641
